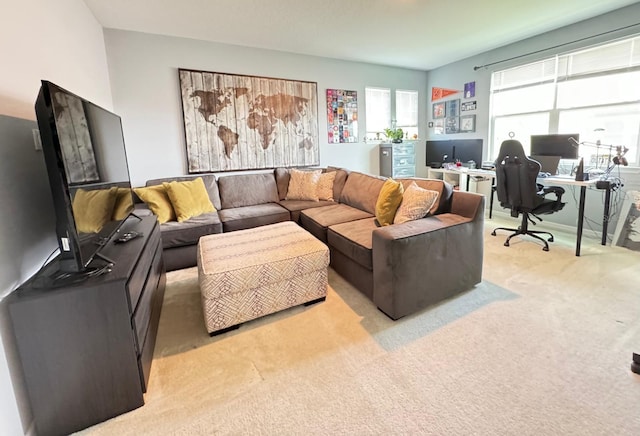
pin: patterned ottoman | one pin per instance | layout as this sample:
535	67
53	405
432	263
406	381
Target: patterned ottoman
250	273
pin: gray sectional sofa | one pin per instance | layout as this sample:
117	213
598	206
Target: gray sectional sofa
402	268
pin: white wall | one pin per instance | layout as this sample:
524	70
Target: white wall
146	94
455	75
39	39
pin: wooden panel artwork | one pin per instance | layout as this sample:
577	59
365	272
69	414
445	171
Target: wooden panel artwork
237	122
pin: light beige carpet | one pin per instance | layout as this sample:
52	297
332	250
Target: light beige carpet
542	346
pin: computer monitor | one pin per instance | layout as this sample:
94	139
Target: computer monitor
439	152
466	150
463	150
563	145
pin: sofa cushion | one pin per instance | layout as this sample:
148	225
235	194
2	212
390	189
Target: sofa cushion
444	190
158	201
247	190
209	181
188	198
296	206
318	219
354	240
416	204
339	181
325	186
361	191
178	234
389	199
246	217
282	176
282	181
303	185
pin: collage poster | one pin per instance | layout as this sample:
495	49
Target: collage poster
342	116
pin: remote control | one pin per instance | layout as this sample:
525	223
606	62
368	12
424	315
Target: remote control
127	236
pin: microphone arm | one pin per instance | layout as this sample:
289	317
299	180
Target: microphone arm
576	144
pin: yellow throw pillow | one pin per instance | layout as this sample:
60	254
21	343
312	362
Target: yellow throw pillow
388	201
303	185
93	209
325	186
124	204
189	198
156	198
416	203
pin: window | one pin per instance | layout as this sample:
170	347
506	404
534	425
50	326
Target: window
379	112
407	112
593	92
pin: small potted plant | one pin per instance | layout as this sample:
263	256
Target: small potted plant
395	135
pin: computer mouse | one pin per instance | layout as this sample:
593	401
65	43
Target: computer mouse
543	175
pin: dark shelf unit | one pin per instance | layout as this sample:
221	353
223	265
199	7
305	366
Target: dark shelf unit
85	349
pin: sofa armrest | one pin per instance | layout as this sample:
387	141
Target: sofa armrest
420	263
468	204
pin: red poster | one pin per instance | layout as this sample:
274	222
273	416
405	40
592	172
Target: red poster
438	93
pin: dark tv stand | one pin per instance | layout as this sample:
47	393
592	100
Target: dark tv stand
105	258
85	349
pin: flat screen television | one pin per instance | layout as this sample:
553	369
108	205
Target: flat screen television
563	145
86	161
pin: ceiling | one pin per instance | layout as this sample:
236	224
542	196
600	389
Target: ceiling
418	34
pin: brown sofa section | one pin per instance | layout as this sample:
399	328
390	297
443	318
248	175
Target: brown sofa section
402	268
419	263
249	200
405	267
179	240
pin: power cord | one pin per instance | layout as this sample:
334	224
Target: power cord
616	184
67	278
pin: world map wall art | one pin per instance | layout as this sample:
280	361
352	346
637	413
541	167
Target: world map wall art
237	122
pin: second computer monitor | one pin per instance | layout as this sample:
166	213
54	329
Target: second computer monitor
563	145
467	150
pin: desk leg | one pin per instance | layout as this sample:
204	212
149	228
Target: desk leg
605	216
583	192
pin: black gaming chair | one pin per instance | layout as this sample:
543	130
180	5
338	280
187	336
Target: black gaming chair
517	190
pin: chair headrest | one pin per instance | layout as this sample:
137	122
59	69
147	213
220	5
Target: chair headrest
511	148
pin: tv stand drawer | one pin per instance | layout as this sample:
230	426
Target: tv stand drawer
138	277
142	314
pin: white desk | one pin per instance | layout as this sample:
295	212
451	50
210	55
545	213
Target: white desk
461	176
555	180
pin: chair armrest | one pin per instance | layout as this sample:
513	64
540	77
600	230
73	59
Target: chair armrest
556	190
